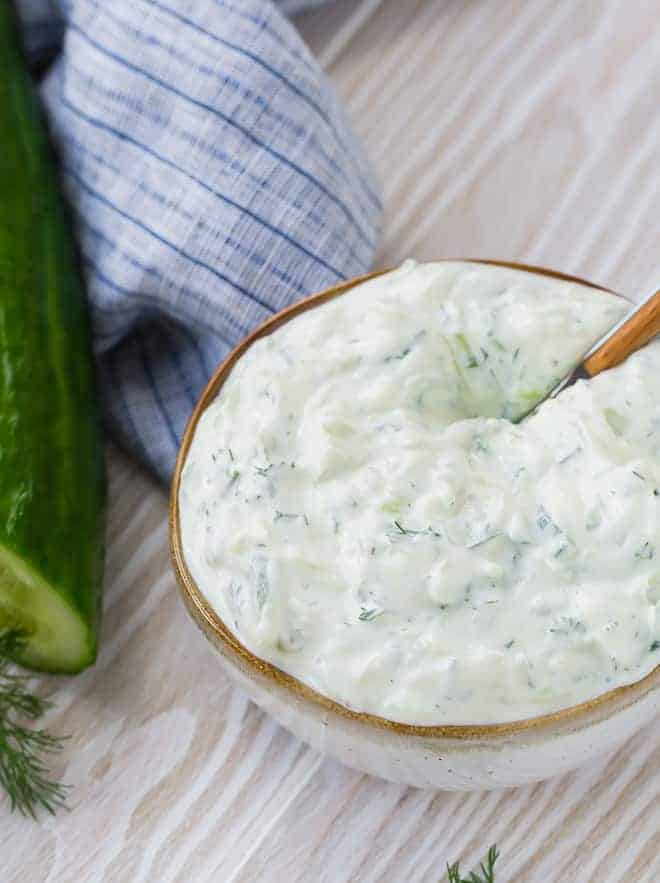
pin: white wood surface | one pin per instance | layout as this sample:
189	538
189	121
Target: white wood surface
523	129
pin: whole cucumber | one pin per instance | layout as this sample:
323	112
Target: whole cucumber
52	484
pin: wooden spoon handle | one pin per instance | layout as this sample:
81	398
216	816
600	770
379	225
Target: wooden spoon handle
636	330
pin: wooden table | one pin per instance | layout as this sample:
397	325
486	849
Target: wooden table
522	129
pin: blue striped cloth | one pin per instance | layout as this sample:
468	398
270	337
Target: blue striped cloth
214	179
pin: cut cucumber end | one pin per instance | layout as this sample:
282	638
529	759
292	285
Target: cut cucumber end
57	640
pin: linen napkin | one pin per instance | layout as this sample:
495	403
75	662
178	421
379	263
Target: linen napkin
214	180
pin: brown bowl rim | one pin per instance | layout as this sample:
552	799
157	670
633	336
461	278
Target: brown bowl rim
211	623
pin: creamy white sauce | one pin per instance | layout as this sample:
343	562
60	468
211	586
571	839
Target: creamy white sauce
360	511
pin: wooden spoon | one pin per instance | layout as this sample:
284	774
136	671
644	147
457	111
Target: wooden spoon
640	325
637	328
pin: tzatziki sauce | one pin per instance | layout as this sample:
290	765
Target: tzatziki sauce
361	511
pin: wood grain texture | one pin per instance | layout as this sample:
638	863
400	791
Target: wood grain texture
520	129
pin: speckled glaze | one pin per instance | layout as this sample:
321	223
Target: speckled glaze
449	757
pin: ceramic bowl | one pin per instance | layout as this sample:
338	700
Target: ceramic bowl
457	757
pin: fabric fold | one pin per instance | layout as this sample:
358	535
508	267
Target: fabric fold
214	179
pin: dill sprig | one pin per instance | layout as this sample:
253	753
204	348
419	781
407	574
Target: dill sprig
23	773
486	875
407	531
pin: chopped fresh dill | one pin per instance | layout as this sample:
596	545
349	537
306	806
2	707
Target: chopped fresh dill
568	624
545	520
406	531
509	644
263	470
486	873
484	540
401	354
470	360
570	456
368	614
396	357
655	645
641	477
290	516
229	451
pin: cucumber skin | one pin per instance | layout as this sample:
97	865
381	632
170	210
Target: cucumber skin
52	478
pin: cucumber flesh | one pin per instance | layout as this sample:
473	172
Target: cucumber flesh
55	638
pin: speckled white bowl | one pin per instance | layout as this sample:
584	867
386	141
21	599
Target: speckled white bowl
451	757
